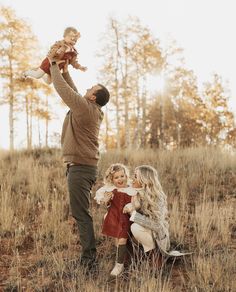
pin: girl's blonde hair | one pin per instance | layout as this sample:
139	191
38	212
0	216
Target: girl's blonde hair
111	171
152	199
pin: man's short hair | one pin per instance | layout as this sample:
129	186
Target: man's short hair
102	95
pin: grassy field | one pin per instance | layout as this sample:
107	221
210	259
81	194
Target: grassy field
39	239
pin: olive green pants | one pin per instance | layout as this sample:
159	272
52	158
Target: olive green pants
80	179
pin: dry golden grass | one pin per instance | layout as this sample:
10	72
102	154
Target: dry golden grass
39	240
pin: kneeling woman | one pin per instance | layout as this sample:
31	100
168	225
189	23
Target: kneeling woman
149	211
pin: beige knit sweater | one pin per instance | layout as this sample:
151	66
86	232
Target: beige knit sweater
80	130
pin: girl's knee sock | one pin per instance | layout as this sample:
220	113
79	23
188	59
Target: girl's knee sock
121	253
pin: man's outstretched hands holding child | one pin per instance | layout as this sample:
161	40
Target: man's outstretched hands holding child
56	54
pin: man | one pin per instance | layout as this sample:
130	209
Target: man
79	141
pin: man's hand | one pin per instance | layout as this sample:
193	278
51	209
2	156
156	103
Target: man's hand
55	60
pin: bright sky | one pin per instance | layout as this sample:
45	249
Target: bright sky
205	29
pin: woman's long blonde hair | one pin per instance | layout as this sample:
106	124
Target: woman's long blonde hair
152	198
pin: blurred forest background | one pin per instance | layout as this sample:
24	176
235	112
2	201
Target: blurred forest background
178	114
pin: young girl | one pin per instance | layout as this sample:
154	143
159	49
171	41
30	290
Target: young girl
116	194
62	50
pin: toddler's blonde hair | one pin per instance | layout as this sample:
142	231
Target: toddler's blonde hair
69	29
112	169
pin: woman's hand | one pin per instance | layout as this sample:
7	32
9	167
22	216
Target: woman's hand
128	208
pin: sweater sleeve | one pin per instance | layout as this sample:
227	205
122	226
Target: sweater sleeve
71	98
69	81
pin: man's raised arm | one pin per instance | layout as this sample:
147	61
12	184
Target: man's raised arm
67	76
71	98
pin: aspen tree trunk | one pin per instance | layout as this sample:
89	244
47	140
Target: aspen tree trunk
118	143
137	130
39	133
144	115
11	108
46	133
154	139
161	123
30	124
47	123
107	130
27	121
11	123
127	128
178	135
138	136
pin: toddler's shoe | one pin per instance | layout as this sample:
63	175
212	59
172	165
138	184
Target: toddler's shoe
117	270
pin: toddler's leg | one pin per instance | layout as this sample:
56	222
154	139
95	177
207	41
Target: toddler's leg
120	257
37	73
47	79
